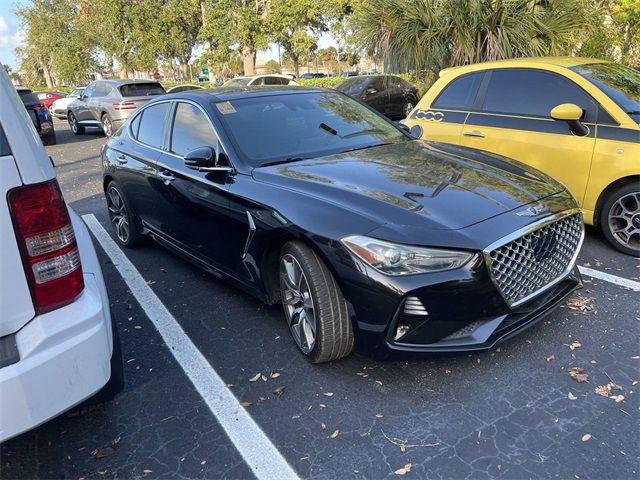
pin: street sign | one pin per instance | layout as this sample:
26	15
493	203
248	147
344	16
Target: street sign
204	71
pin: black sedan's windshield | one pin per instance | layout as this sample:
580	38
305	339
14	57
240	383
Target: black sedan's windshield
620	83
290	127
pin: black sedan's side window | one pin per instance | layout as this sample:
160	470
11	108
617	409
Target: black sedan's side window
151	128
191	130
534	93
461	93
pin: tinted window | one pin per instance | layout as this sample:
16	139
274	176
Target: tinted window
135	124
530	92
100	90
141	89
27	96
461	93
352	86
4	145
621	84
378	83
88	92
151	125
302	125
237	82
191	130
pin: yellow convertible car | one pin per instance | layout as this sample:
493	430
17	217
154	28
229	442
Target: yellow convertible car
575	119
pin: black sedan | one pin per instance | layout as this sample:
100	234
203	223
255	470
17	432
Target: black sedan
388	94
364	234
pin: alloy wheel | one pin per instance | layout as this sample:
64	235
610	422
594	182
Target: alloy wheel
298	303
407	109
118	214
624	220
73	123
107	126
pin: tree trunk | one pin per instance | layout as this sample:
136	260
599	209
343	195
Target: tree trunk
184	71
295	59
249	61
123	72
46	71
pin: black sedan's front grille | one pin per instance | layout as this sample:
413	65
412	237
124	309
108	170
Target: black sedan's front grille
536	260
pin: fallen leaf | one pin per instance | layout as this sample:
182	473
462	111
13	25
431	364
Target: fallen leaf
578	374
379	415
279	391
264	378
116	440
617	398
635	382
335	434
586	437
575	344
246	404
322	405
551	358
323	426
604	390
103	452
328	394
275	374
203	462
580	303
378	382
404	470
571	396
146	471
635	357
255	378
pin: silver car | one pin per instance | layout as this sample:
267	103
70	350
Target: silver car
107	104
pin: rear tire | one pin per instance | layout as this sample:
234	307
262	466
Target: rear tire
125	223
314	307
76	128
107	125
50	139
407	107
620	219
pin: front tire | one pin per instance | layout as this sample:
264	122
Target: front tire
76	128
314	307
107	125
123	219
50	139
406	108
620	219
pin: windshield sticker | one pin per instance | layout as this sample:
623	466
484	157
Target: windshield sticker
225	108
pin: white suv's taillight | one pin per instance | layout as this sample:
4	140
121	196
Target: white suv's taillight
47	244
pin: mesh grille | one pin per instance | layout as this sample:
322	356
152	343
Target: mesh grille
524	266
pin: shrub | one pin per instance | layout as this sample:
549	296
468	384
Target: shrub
326	82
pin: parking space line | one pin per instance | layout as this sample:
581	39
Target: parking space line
607	277
261	455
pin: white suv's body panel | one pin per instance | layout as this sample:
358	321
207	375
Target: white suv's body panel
64	354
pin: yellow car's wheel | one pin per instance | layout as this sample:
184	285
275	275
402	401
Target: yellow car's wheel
620	219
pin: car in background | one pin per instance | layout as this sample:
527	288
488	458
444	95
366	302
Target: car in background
390	95
47	98
106	104
60	106
39	115
312	199
259	80
310	75
183	88
576	119
59	346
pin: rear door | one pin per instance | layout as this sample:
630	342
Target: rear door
443	120
376	94
513	120
396	96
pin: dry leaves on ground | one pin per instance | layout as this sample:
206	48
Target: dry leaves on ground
571	396
581	304
575	344
404	470
103	452
551	358
578	374
328	394
586	437
246	404
279	391
605	391
335	434
275	374
255	378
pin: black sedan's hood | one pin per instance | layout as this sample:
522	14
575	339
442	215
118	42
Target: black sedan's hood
439	186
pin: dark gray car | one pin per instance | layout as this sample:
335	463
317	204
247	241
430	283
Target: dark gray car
107	104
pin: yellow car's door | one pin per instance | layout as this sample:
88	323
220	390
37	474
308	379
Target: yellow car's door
513	119
444	119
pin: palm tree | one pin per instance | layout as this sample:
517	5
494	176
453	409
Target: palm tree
433	34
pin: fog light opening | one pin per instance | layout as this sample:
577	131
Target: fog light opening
401	331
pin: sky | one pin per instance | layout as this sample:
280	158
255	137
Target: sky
10	37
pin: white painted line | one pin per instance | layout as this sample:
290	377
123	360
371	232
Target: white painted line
607	277
261	455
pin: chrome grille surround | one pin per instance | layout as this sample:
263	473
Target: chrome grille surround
533	259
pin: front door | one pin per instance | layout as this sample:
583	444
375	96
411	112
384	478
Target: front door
513	120
82	110
376	95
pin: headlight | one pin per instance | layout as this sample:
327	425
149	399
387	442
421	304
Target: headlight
395	259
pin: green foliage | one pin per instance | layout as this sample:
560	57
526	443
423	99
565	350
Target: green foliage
272	67
427	35
180	22
325	82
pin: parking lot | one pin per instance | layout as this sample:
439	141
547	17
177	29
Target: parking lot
518	411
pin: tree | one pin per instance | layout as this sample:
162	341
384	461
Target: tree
295	23
181	21
236	24
433	34
272	67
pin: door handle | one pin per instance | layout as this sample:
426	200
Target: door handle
473	133
166	178
121	159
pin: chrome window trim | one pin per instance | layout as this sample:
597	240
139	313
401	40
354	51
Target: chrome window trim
486	252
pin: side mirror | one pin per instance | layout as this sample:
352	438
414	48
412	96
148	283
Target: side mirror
570	113
204	159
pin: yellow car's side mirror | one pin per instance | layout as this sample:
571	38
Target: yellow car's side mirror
570	113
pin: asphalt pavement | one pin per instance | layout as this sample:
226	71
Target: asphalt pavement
514	412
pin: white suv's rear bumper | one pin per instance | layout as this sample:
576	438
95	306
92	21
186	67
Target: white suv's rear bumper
64	354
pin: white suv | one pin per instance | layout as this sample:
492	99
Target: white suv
58	345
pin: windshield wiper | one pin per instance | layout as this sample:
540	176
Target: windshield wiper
333	131
284	160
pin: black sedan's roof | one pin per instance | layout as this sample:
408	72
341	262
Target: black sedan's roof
234	93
